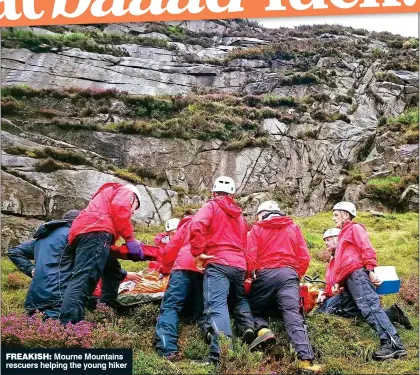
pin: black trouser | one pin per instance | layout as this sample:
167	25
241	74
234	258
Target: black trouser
182	284
343	305
219	282
91	262
365	297
282	286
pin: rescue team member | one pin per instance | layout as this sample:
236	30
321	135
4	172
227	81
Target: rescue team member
53	264
218	241
277	251
185	281
162	239
343	304
355	259
106	218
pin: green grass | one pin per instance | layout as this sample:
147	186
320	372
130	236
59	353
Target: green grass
300	79
236	120
388	77
94	41
384	181
344	346
389	189
125	174
408	117
405	126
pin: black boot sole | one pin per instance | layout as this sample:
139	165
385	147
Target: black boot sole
248	337
396	354
264	342
401	317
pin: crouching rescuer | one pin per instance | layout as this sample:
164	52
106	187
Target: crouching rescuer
342	304
53	265
355	260
185	283
278	255
218	242
106	218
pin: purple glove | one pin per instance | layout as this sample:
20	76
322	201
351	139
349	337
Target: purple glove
135	249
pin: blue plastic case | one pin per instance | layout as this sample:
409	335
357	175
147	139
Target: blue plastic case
390	282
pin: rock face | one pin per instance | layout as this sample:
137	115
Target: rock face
52	194
329	122
410	198
15	230
19	197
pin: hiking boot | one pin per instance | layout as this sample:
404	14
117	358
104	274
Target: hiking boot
305	365
264	340
390	349
399	316
248	336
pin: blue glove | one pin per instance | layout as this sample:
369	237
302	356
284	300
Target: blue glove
135	249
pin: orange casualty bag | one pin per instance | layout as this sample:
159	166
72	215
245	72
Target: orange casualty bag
149	283
309	293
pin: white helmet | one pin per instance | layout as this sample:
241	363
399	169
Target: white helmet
224	184
332	232
136	193
172	224
268	206
346	206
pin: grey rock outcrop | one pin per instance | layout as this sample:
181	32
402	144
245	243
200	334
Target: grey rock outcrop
329	125
21	198
15	230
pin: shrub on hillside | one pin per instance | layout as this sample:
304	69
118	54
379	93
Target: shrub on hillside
18	38
300	79
409	291
248	142
152	364
407	124
236	358
10	106
145	315
16	150
49	165
192	343
389	189
148	173
101	314
17	280
180	211
408	117
63	155
125	174
406	64
388	77
343	99
385	188
21	331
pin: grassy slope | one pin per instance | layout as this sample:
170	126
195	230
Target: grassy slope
344	346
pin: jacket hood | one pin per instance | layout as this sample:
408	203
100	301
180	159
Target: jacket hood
275	222
228	205
46	229
348	224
